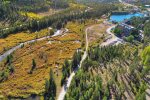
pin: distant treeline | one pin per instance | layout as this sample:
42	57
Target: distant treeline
97	1
10	9
36	5
120	12
58	20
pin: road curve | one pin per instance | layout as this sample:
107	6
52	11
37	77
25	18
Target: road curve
114	39
3	56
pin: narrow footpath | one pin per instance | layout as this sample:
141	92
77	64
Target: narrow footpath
64	89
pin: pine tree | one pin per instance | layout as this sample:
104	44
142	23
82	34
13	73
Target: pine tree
76	60
65	72
67	66
33	66
9	59
50	88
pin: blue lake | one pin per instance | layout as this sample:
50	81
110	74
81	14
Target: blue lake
122	17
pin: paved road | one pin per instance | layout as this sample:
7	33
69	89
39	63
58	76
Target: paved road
114	40
3	56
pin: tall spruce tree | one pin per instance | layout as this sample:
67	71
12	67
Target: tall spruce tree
50	88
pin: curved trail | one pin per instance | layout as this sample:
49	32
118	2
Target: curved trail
114	40
4	55
64	89
109	42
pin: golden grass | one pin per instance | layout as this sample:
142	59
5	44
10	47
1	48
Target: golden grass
68	37
52	11
20	83
55	51
97	33
79	6
49	12
14	39
31	15
77	27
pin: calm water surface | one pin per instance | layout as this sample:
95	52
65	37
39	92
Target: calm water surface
122	17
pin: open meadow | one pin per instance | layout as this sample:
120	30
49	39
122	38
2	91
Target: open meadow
15	39
48	54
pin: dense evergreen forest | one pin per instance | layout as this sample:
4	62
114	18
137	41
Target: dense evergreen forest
97	1
110	72
36	5
9	9
115	72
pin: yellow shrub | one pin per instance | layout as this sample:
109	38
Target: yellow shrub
31	15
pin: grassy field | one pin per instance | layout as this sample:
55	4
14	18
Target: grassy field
14	39
49	53
97	33
78	27
31	15
51	11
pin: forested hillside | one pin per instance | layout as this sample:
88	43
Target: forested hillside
115	72
72	50
58	20
98	1
111	73
14	12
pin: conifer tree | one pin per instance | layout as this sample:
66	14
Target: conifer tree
50	88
